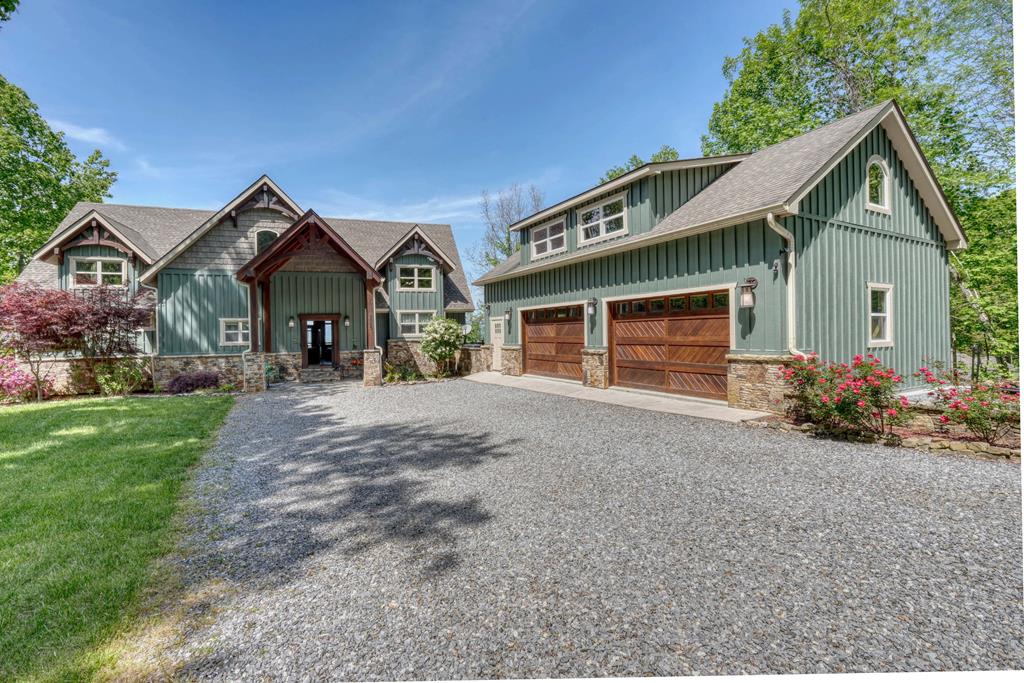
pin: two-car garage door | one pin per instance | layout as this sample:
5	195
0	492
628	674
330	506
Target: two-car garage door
671	343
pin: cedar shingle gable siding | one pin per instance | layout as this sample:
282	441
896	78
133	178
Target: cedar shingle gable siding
226	247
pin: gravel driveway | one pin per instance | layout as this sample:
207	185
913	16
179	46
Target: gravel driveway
459	530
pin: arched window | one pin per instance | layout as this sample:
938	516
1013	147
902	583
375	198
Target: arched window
878	185
263	239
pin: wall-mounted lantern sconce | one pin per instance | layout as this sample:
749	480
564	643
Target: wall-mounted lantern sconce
591	306
347	322
291	322
487	307
508	315
747	288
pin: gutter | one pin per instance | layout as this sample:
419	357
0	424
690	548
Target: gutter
790	282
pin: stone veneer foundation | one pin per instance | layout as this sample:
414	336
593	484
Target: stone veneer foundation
595	368
755	382
474	359
512	360
372	368
406	353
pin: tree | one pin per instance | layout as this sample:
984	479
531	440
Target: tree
7	8
948	63
499	212
114	320
442	338
666	153
40	325
40	179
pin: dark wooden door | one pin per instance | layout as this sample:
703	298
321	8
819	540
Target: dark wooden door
675	344
319	342
553	342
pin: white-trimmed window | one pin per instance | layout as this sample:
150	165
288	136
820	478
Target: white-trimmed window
411	323
549	239
878	185
879	314
415	278
93	272
234	331
602	220
263	238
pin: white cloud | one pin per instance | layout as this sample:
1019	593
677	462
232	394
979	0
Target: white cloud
94	136
441	209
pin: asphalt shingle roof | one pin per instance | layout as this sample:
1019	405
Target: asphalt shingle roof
157	230
765	179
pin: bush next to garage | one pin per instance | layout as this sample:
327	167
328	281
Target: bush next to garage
989	409
858	397
442	338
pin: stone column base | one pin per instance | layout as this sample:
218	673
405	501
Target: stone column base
473	359
595	368
372	368
755	382
512	360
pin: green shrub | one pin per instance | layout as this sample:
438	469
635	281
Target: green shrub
442	338
988	409
120	377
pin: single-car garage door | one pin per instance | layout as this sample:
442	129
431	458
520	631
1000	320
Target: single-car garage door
553	342
672	343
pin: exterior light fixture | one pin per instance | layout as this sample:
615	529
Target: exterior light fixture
591	306
747	288
347	321
291	321
508	315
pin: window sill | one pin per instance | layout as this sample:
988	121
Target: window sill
547	254
422	291
875	208
604	238
880	344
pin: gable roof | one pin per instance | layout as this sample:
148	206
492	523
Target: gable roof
310	218
162	229
415	231
129	236
774	179
217	217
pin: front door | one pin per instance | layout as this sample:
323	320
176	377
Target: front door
319	343
497	337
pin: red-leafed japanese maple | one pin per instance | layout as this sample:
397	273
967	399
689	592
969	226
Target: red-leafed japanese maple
114	322
39	325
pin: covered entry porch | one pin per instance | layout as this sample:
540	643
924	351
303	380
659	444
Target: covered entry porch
311	304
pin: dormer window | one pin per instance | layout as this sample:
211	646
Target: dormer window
263	239
93	272
548	239
602	220
878	185
415	279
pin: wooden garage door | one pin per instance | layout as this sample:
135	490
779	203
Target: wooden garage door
675	343
553	342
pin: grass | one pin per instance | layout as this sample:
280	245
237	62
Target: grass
88	492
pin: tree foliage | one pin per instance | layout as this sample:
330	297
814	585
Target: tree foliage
666	153
40	179
7	8
498	212
948	63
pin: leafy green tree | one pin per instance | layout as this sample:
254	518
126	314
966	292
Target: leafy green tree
948	63
989	269
666	153
40	179
7	8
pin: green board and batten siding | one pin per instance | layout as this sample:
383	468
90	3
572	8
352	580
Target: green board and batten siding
840	248
412	301
190	305
299	293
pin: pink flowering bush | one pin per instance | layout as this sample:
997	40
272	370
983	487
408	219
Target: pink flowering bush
16	385
988	409
855	397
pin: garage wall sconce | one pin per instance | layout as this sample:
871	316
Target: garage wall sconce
347	322
508	315
291	322
591	306
747	288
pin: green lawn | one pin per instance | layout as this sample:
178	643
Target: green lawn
88	490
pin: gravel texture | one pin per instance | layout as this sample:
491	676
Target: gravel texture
460	530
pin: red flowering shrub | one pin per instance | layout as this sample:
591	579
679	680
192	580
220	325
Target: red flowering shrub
859	396
16	385
990	410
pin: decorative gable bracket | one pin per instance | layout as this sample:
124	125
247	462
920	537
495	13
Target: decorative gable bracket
94	235
263	198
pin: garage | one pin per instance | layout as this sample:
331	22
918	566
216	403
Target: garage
553	342
671	343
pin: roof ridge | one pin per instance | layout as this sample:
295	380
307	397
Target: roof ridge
147	206
376	220
825	126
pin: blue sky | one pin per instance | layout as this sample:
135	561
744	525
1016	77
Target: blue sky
391	110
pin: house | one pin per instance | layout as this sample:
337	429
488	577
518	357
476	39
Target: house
700	276
262	281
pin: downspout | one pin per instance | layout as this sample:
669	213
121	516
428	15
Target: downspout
156	333
790	283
